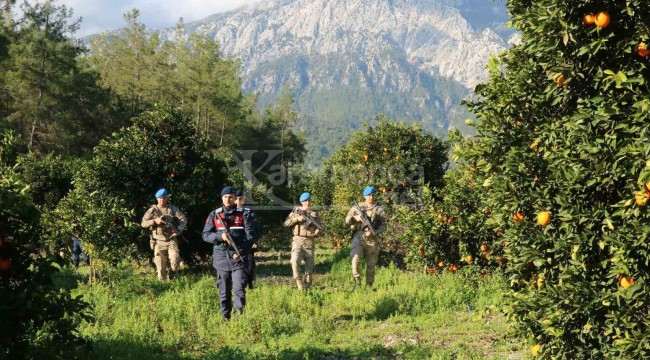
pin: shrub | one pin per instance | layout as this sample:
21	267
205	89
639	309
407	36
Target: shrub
563	128
114	188
37	319
393	157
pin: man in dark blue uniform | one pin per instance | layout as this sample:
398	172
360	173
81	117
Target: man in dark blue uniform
232	224
250	270
78	250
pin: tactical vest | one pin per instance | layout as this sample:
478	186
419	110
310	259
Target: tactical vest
304	231
164	231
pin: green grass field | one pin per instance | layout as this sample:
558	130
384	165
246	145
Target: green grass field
407	316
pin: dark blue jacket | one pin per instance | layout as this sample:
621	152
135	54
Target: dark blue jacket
240	223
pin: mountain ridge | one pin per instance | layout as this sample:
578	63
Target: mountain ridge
409	59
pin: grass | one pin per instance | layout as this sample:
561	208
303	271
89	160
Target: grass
408	316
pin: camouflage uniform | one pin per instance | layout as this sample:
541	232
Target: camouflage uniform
162	243
302	247
363	242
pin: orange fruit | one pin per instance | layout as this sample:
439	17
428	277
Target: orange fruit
544	218
484	248
469	258
453	268
440	216
602	19
421	252
626	281
449	220
5	264
641	198
560	80
430	270
518	216
588	19
441	264
534	350
643	51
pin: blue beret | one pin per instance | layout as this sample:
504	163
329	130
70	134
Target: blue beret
369	190
305	196
239	192
161	193
228	190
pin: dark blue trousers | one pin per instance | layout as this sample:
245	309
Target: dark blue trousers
231	279
78	250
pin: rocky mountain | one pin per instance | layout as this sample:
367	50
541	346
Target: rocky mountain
350	60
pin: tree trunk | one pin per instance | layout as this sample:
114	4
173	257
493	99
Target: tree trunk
198	119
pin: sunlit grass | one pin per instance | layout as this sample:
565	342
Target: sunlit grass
407	315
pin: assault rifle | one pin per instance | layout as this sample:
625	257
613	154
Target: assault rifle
309	220
168	220
230	241
364	219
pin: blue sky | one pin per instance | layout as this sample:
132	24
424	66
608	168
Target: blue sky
100	15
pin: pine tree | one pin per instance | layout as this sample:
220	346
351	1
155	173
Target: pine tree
51	101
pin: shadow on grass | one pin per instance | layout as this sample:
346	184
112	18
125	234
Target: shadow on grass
385	307
68	278
131	350
371	352
271	265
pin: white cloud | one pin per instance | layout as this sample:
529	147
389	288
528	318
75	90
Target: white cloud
100	15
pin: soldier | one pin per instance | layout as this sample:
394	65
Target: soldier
250	271
166	223
77	250
231	231
368	221
306	227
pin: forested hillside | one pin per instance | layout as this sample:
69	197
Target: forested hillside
348	61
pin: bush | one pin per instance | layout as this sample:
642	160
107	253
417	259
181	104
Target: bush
37	319
397	159
48	176
447	229
564	129
114	188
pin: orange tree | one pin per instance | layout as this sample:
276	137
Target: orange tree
396	158
117	185
563	131
448	227
37	318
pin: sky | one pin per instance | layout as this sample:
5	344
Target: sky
100	15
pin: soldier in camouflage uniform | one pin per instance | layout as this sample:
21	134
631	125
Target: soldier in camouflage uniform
166	223
305	230
363	241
